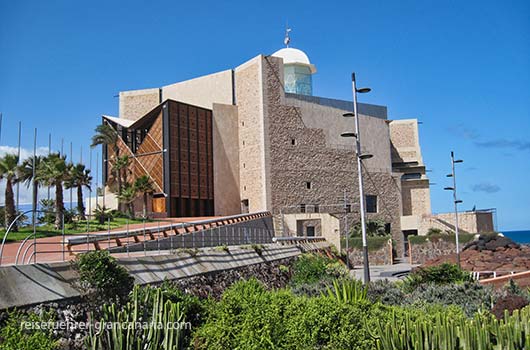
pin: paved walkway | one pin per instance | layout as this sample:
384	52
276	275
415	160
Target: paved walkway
50	249
380	272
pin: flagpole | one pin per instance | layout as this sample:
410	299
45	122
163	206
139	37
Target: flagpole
18	162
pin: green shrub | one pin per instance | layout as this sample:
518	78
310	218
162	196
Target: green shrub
440	274
463	238
373	243
99	273
374	228
386	292
14	335
250	317
470	296
433	231
311	268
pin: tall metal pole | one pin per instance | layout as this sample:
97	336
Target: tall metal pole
18	160
49	151
34	199
97	178
71	161
346	229
90	188
0	126
361	189
456	209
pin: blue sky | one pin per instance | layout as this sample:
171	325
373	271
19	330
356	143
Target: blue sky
461	67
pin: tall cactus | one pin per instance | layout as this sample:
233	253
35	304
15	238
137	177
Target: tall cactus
442	331
134	328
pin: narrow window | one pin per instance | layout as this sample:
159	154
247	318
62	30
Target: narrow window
243	165
348	208
293	142
308	185
371	203
244	188
242	123
243	142
302	208
316	208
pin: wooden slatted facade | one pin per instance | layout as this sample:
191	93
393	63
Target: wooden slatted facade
185	188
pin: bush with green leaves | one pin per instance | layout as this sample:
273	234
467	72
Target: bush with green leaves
440	274
386	292
471	296
100	274
250	317
15	335
311	268
374	228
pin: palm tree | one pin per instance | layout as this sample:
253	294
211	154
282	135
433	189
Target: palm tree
8	171
127	196
120	168
53	171
25	174
78	178
144	185
106	135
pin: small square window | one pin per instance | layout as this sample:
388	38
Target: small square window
302	208
348	208
308	185
371	203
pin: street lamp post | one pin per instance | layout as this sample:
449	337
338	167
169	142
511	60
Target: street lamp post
360	157
456	202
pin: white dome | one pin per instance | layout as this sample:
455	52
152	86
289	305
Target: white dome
294	56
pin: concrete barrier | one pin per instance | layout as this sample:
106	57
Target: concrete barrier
39	283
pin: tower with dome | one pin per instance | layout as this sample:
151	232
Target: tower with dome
297	69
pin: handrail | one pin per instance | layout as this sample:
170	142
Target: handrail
126	233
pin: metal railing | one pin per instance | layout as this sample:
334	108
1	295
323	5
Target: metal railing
158	236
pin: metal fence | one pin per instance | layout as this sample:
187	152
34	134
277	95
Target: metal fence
149	237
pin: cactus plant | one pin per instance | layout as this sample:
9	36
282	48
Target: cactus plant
444	332
134	328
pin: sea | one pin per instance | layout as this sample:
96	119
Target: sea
522	236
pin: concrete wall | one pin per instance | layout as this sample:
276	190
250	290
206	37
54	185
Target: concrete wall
135	104
227	199
471	222
203	91
404	136
40	283
329	225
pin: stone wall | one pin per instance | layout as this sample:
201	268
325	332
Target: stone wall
135	104
420	253
249	96
381	256
309	158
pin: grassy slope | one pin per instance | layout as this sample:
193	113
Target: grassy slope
70	229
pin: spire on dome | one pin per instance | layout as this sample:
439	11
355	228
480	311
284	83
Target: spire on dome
287	39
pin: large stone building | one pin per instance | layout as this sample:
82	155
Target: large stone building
254	138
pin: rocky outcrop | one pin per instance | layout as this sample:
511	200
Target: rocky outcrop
490	253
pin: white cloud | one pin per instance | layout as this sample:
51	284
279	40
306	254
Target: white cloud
24	152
